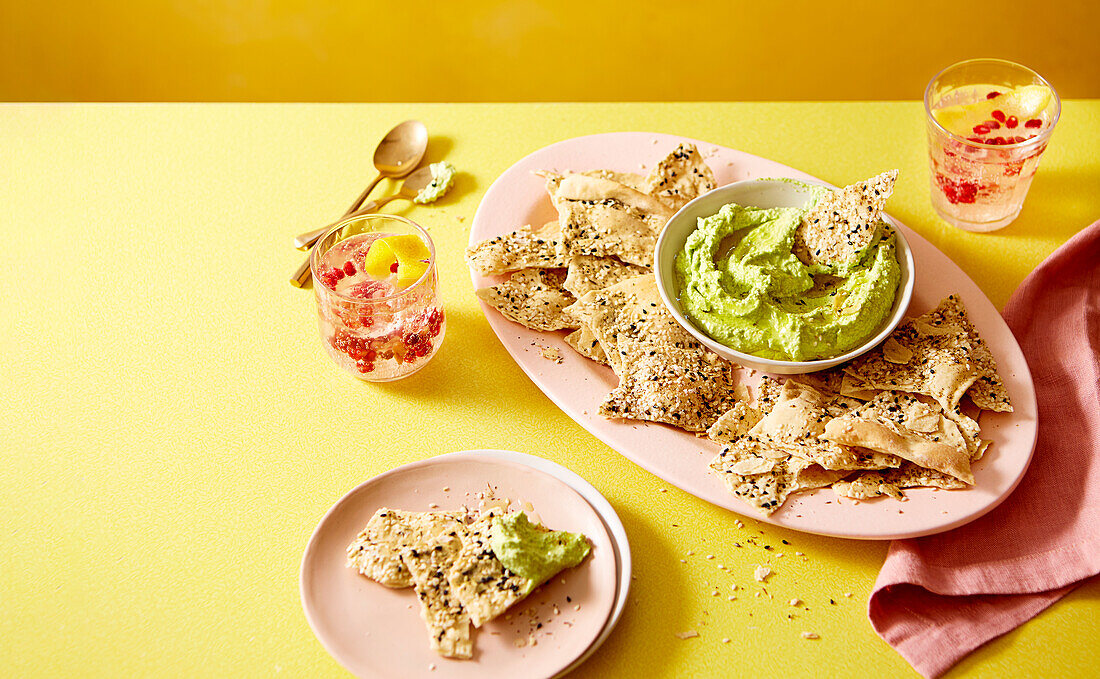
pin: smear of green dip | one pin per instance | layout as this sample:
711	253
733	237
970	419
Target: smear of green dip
443	175
533	552
741	283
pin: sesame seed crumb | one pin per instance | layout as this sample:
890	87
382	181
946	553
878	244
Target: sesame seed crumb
795	602
690	634
710	556
848	594
809	635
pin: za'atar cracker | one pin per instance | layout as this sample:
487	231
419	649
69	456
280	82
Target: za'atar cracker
901	424
680	177
447	621
947	360
531	297
603	218
376	552
843	224
524	248
764	472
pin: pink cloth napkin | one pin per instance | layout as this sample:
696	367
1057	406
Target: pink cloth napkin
939	597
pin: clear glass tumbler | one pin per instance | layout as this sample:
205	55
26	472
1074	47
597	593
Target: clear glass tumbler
376	328
980	175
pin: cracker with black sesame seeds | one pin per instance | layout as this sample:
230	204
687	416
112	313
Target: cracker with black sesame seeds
838	230
533	298
680	177
376	552
604	218
478	579
892	482
629	311
800	414
524	248
949	359
447	620
687	388
585	343
587	273
916	430
735	422
762	471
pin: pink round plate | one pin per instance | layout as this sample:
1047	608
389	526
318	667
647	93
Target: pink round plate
375	631
578	385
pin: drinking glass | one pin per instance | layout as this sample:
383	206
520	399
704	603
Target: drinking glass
979	180
374	328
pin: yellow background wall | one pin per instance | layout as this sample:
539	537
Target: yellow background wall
527	50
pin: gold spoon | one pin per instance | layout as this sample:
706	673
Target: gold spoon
409	190
398	154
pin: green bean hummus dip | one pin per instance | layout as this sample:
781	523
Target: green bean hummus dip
532	552
794	284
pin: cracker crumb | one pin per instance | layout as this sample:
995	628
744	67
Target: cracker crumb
690	634
446	488
795	602
810	635
551	354
519	643
848	594
738	523
432	505
761	573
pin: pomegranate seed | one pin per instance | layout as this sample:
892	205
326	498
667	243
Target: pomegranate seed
1018	139
393	267
981	129
349	268
976	140
338	273
1034	122
992	124
993	95
1012	122
998	115
412	339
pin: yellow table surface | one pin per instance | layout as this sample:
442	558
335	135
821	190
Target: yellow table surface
173	430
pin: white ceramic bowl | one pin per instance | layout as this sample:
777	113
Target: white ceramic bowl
764	193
